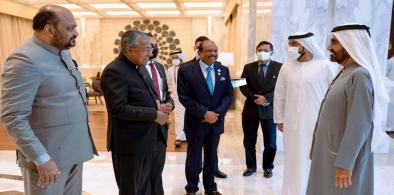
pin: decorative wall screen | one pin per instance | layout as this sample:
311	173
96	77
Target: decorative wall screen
165	37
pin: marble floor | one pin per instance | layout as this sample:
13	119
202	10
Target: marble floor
98	178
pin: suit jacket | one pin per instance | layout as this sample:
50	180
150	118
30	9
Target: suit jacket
255	87
194	95
132	108
43	105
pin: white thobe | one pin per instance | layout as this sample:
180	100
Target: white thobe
299	92
179	110
390	114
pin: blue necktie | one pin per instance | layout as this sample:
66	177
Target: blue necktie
261	73
209	79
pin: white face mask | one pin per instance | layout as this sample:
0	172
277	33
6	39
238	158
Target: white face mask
292	53
263	56
176	62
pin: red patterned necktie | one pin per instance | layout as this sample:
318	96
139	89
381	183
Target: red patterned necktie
154	78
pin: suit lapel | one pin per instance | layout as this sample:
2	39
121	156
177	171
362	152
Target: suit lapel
268	74
218	76
148	81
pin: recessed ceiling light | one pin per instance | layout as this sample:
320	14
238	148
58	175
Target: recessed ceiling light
70	6
156	5
109	5
203	12
84	14
264	11
203	4
267	4
163	12
122	13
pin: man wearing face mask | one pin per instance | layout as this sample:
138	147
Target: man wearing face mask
179	111
301	85
261	78
43	106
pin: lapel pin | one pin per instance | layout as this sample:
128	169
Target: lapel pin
274	77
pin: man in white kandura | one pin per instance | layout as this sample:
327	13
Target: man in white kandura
348	127
302	83
179	111
390	114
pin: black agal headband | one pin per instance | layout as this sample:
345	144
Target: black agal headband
352	27
309	34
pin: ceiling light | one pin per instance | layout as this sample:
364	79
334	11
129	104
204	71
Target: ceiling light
122	13
267	4
70	6
204	4
156	5
109	5
264	11
163	12
84	14
204	12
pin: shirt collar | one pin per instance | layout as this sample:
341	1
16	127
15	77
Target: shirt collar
203	65
46	46
268	63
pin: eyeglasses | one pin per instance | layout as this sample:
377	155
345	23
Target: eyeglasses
145	49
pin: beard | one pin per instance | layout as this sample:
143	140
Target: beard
339	56
60	41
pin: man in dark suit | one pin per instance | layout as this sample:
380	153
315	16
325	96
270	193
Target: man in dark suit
205	90
137	120
261	78
197	43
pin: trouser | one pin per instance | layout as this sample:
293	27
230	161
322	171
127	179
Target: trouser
193	168
140	174
250	127
69	181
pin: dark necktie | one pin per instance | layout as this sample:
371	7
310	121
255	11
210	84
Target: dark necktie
155	79
261	72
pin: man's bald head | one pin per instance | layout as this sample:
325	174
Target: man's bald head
56	26
49	14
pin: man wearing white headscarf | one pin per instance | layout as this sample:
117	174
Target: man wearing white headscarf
179	111
302	83
341	153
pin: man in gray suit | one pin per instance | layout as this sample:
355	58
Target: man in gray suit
43	106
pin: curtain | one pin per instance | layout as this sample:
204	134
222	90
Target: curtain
14	31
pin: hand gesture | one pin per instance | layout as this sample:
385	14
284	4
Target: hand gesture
161	118
260	100
280	126
48	174
342	178
210	117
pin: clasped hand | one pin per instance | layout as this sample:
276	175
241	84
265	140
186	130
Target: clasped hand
210	117
260	100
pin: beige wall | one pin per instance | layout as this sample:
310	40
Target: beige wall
95	47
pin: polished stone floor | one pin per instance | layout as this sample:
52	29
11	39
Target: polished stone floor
98	177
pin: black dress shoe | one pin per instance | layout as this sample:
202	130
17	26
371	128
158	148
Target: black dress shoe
268	173
220	174
177	143
249	172
190	193
212	193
